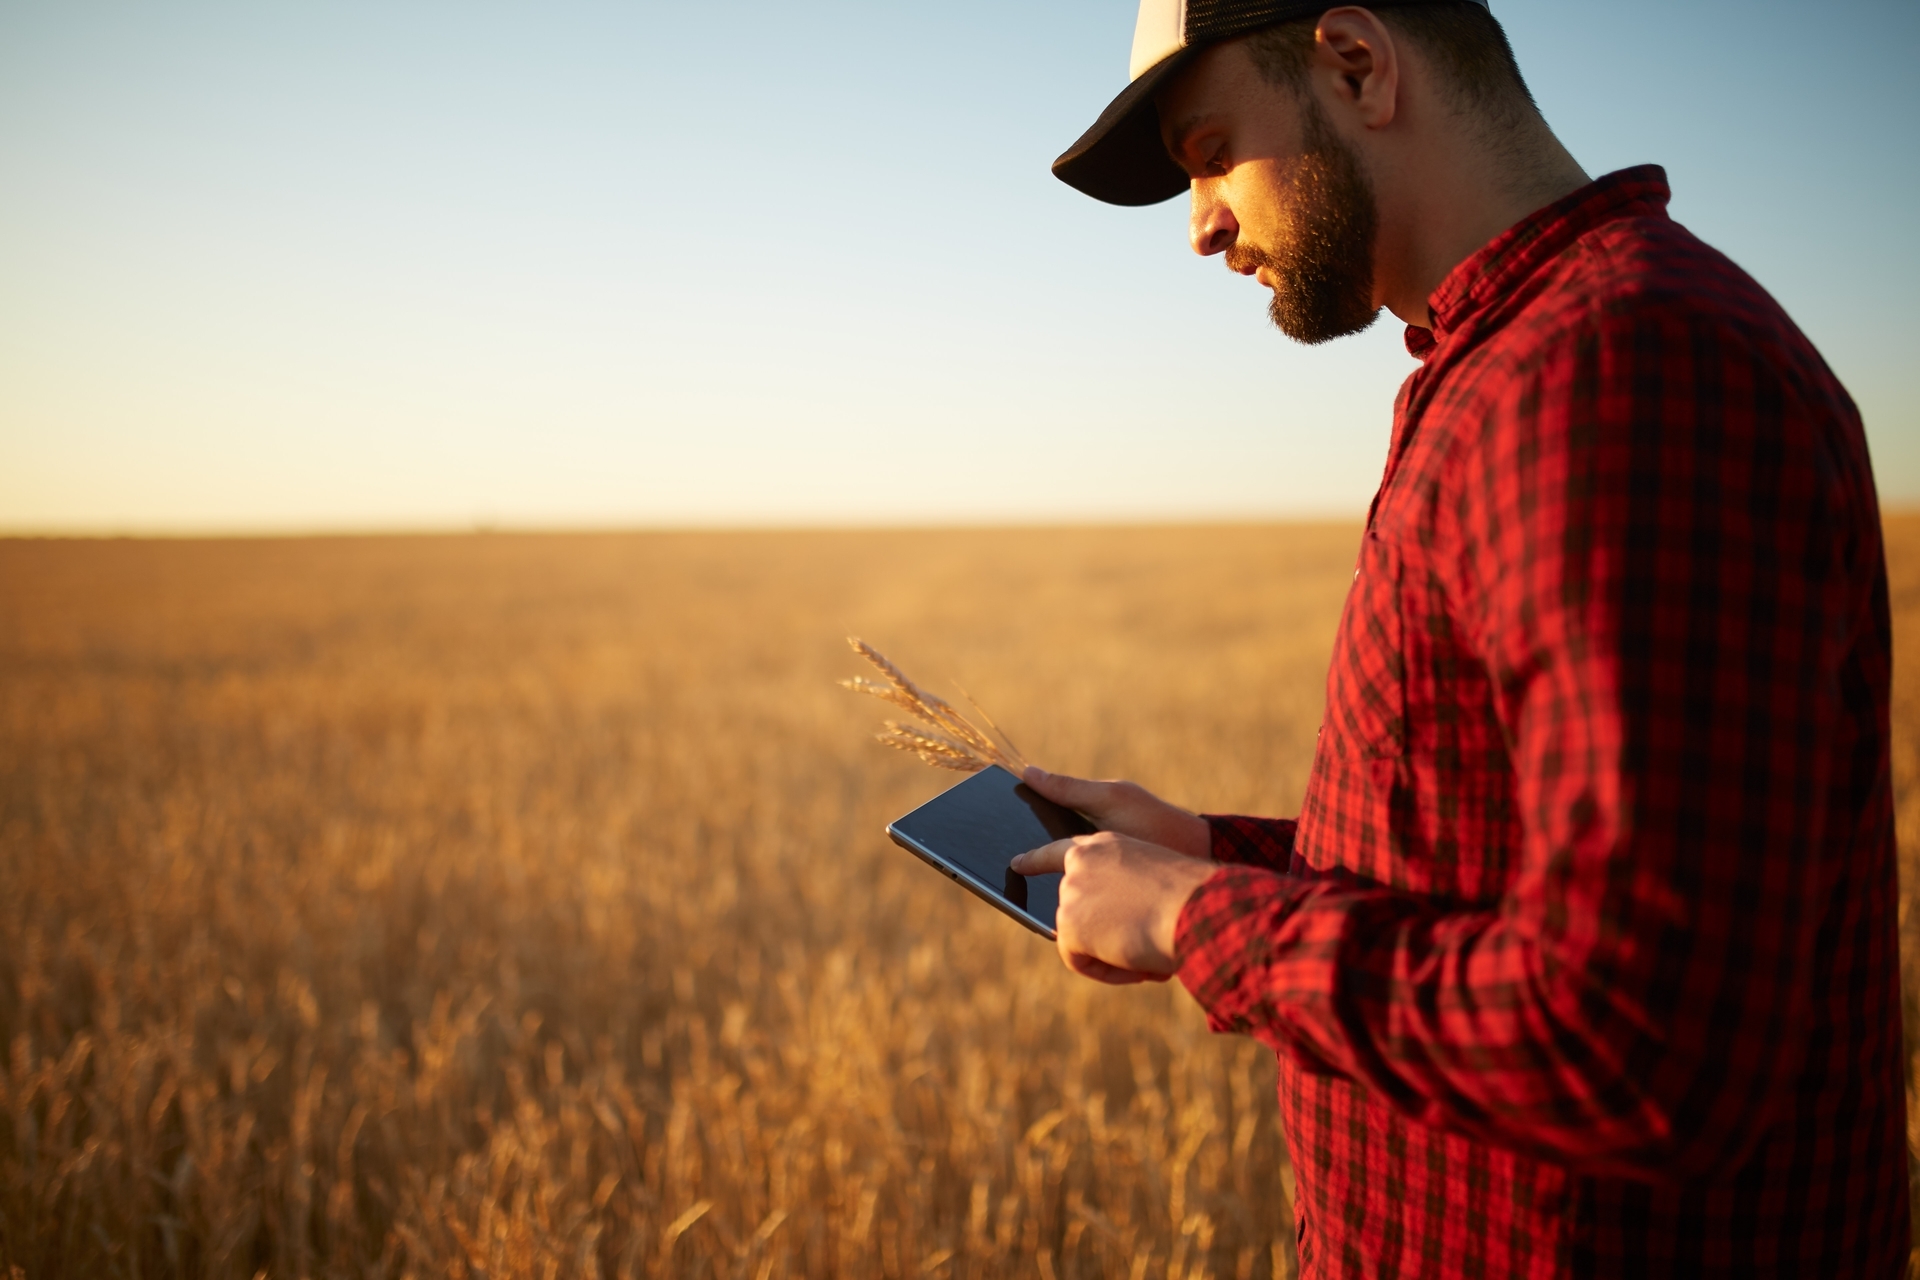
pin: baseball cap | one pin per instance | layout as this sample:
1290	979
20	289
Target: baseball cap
1121	160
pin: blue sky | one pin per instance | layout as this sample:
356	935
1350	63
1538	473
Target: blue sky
270	267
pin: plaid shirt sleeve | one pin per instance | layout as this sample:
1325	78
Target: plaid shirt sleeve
1658	551
1253	842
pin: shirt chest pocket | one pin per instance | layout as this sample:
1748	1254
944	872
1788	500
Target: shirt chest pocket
1366	682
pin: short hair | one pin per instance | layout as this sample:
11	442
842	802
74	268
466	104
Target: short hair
1462	41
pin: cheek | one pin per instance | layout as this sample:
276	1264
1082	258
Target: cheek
1258	199
1260	231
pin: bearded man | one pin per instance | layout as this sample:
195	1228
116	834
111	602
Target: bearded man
1580	958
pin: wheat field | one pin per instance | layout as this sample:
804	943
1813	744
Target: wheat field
518	905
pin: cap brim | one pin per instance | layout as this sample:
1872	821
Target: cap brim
1121	159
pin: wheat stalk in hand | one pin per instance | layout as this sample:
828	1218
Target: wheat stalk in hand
950	740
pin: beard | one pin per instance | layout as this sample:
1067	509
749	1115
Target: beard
1322	267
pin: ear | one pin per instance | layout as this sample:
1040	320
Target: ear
1356	57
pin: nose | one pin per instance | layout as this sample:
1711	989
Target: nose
1211	226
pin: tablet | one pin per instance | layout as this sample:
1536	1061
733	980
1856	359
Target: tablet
970	832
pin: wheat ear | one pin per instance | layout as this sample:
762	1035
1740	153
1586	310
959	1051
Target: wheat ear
1013	752
955	743
936	750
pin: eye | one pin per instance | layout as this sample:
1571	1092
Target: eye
1215	163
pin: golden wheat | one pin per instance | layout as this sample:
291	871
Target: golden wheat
954	741
518	906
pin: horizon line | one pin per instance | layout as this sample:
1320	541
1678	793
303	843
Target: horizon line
509	528
241	532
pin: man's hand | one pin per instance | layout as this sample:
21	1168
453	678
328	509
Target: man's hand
1120	901
1128	810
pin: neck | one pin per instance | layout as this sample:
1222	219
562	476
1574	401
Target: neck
1444	199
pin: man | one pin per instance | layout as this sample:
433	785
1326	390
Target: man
1580	959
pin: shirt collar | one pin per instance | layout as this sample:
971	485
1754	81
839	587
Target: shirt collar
1536	239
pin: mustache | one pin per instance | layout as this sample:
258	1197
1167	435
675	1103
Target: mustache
1242	258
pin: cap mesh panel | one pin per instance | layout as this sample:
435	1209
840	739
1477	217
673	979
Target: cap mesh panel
1209	20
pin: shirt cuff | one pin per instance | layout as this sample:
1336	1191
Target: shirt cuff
1223	941
1252	842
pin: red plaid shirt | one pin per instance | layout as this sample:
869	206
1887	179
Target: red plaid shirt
1581	958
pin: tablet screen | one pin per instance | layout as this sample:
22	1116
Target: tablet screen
981	825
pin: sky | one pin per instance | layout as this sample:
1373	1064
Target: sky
276	267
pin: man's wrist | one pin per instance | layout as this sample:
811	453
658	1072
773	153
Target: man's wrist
1196	837
1186	881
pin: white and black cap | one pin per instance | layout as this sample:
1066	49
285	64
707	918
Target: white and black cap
1121	159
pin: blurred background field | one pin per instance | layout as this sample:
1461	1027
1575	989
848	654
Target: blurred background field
518	905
